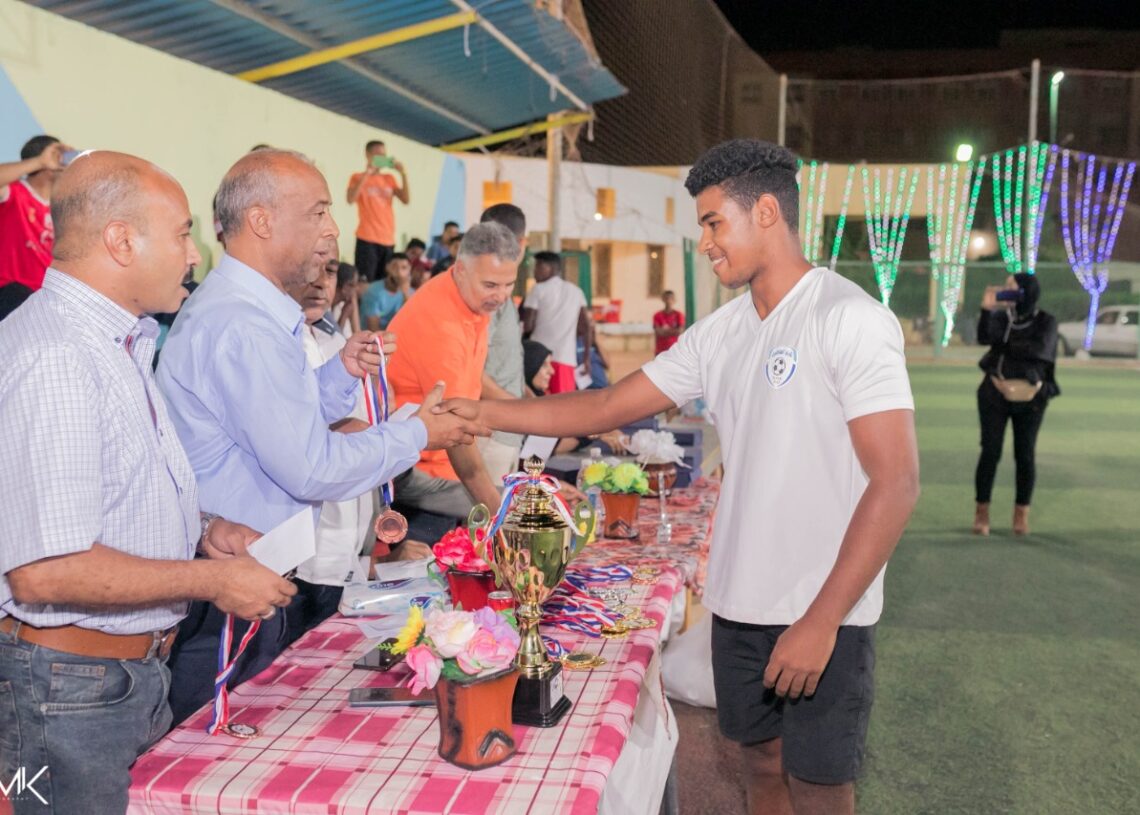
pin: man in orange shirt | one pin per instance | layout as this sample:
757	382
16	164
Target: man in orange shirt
372	191
443	337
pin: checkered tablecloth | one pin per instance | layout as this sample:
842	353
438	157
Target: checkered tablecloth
691	513
314	754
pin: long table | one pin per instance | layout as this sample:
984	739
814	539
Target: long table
314	754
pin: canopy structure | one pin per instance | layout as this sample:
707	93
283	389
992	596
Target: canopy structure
437	71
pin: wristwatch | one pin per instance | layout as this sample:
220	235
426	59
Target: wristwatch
207	519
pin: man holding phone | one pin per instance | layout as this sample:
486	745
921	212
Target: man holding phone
26	233
372	191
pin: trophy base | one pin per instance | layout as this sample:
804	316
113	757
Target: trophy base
539	701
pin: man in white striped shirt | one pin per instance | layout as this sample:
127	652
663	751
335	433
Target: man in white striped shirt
101	519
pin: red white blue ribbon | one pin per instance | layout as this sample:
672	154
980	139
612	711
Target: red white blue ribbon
513	482
580	579
554	649
577	613
226	667
378	409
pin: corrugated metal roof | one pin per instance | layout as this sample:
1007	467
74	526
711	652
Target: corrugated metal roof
462	72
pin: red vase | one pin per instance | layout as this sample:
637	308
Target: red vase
470	588
475	729
621	514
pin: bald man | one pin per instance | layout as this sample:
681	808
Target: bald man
101	519
253	415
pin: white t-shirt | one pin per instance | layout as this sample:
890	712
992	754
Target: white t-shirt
780	392
558	303
344	525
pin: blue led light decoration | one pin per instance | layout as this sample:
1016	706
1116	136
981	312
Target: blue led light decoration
887	209
1090	219
951	203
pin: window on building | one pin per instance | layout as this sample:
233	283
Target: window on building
656	270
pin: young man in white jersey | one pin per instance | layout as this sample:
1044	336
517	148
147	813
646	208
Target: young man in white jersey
806	383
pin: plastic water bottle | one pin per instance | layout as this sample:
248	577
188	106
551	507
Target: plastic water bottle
594	493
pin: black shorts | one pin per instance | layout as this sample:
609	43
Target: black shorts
825	735
372	259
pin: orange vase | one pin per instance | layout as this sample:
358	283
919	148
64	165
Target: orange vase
621	514
475	730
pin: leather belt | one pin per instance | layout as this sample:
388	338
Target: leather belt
85	642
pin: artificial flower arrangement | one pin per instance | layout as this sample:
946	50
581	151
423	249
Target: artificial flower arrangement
656	447
458	645
624	478
454	551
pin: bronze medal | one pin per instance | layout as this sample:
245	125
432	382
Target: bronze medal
241	731
391	527
614	632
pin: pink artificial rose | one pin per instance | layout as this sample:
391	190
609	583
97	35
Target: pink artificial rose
485	653
449	631
425	667
455	551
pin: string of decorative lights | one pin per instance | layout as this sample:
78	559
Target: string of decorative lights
1090	227
887	220
811	230
950	208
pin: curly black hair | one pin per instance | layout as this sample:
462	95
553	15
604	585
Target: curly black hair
746	169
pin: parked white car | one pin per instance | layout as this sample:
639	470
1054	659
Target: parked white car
1116	332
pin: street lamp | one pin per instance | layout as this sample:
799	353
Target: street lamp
964	152
1054	91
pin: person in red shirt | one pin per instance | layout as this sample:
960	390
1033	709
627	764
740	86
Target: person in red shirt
668	323
372	191
26	234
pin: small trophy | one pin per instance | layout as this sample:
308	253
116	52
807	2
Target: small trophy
529	553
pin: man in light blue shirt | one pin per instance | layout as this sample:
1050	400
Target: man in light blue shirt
253	416
101	518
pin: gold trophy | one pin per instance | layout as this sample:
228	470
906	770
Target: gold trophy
529	554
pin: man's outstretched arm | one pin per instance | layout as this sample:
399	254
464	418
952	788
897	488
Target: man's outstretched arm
581	413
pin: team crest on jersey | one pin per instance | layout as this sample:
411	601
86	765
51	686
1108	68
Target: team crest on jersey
781	366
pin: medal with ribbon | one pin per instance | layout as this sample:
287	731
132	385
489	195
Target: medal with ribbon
226	665
391	526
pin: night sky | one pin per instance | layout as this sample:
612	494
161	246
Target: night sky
820	25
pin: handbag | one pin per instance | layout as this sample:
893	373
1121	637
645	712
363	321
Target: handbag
1016	390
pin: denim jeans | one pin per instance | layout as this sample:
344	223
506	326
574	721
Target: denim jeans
85	720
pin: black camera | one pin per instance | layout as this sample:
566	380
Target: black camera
1009	296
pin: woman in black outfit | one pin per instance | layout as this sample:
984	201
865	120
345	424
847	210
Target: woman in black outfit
1017	387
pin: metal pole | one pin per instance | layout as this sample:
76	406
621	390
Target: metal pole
1034	95
1054	92
782	111
554	184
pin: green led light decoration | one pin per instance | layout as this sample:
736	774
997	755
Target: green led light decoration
951	203
887	209
839	226
811	227
1043	162
1008	206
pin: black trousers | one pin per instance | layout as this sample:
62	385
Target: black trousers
372	259
994	410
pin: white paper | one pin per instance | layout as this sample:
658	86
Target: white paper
582	379
288	545
406	411
541	446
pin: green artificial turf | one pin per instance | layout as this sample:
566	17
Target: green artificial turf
1008	674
